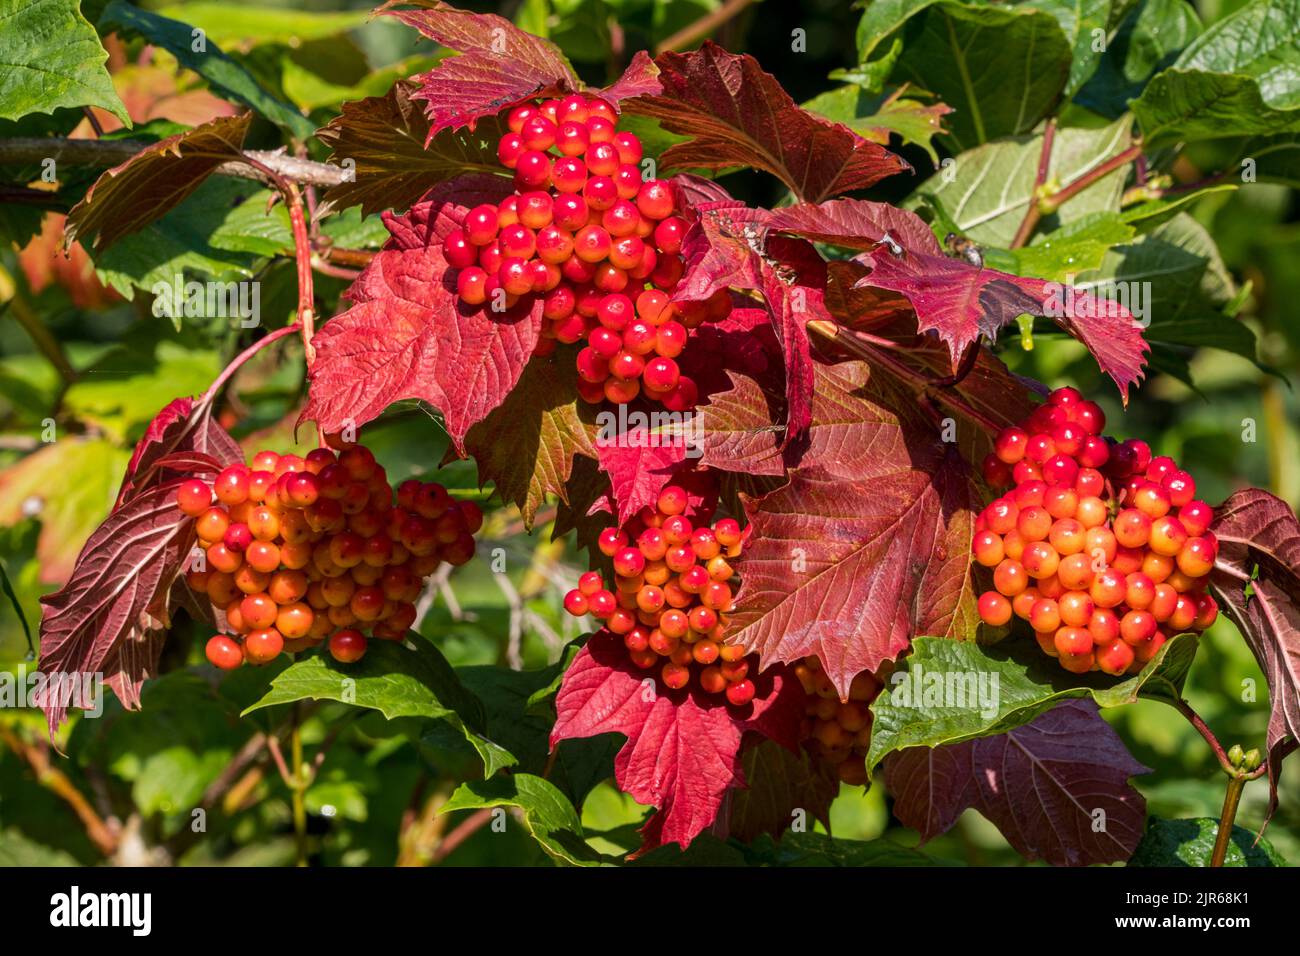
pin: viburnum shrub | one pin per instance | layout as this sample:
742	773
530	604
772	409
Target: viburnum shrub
1105	551
780	434
303	550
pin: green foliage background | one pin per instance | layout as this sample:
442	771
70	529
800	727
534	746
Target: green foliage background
149	769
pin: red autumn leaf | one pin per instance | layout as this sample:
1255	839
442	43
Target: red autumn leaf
409	335
960	301
385	137
641	78
527	445
498	65
855	224
866	545
738	115
109	617
683	747
730	246
179	427
130	196
1256	579
1042	785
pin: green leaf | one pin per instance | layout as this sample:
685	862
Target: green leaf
8	588
1240	77
52	58
1191	843
124	389
820	849
986	191
1184	286
947	691
1150	39
549	817
240	25
179	243
226	77
1067	251
1081	21
875	116
961	54
1147	215
255	227
397	681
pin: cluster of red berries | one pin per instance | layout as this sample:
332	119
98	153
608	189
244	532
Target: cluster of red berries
1102	548
671	596
599	245
836	731
301	549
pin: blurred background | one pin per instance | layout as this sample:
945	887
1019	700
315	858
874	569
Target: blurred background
83	361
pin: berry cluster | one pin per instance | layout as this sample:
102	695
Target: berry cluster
1102	548
298	550
838	732
599	245
671	596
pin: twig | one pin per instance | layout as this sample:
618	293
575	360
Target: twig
1231	800
57	782
702	27
354	258
1033	213
108	152
1203	729
334	272
1066	193
243	357
94	121
44	340
514	656
464	830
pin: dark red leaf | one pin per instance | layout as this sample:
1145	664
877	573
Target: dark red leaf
180	427
409	335
867	544
109	617
683	748
730	246
737	115
385	138
641	78
640	459
130	196
960	302
1057	787
1257	581
498	65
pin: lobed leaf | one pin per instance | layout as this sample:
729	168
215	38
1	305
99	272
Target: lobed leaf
408	334
133	194
395	158
549	817
738	115
946	692
683	747
1045	785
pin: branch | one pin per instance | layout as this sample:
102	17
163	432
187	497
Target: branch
56	781
702	27
1033	213
102	153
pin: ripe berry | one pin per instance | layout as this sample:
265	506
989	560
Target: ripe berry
223	652
994	609
347	646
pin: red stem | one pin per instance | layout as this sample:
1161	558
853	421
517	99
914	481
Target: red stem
243	357
1033	214
1087	179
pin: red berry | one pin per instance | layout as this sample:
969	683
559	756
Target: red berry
655	199
575	602
347	646
660	375
223	652
193	497
740	693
